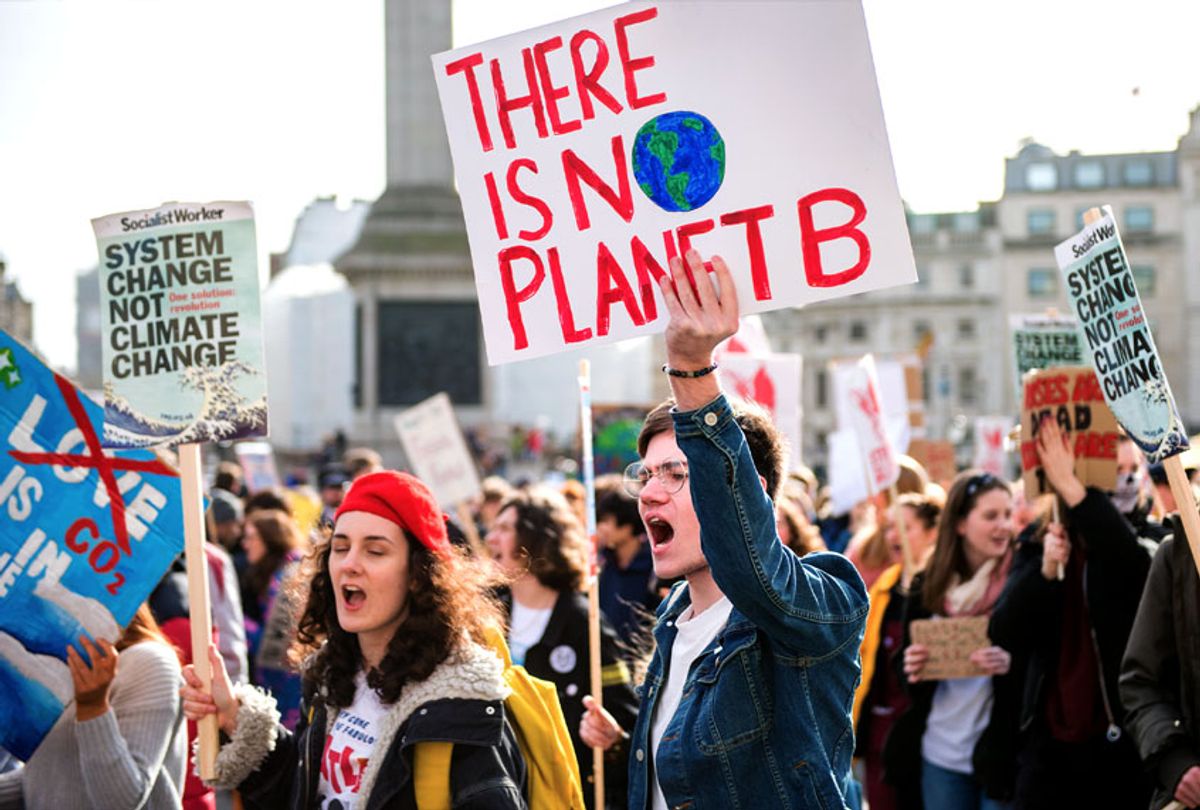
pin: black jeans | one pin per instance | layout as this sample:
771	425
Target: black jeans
1095	773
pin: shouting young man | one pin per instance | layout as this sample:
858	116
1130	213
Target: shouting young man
746	701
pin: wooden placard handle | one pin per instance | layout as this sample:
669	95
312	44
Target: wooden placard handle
199	612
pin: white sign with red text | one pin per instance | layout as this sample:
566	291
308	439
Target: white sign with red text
866	417
773	381
590	151
991	446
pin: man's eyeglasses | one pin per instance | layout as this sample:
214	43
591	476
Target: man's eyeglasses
672	474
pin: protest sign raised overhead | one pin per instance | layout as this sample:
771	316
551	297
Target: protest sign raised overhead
937	457
865	416
182	345
1071	396
1113	326
257	460
436	450
84	538
1045	340
991	454
590	151
773	381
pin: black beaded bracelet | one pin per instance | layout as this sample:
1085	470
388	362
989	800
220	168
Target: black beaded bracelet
674	372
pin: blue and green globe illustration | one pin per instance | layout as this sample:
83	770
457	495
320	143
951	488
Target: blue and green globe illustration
679	160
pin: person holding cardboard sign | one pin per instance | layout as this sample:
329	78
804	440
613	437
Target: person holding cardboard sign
1072	633
746	700
954	743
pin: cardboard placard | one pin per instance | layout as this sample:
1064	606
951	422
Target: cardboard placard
1072	397
951	642
773	381
84	538
590	151
181	324
437	451
937	457
1113	326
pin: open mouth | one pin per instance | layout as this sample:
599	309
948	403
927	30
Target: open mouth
660	532
353	596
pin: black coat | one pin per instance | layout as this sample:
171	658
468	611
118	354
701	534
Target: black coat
562	657
1160	676
487	771
994	758
1027	620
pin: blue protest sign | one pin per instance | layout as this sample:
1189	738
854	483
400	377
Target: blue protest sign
85	535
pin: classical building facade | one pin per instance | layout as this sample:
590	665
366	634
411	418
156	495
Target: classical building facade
16	314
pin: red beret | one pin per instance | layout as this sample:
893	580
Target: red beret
402	499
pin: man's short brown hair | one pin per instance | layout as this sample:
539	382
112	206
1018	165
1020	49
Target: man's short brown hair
768	448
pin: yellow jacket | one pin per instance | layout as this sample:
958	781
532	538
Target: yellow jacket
880	594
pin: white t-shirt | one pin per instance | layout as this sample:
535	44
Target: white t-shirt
693	633
526	628
962	708
349	746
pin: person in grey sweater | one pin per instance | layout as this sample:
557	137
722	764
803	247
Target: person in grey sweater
122	744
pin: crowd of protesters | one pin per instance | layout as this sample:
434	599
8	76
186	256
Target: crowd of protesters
756	650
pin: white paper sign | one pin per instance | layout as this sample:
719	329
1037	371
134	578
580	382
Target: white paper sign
589	151
867	419
991	444
436	450
773	381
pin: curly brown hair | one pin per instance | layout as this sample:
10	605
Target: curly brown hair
550	538
448	596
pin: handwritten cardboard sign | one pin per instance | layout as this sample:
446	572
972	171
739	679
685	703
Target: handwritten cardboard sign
84	538
937	456
773	381
437	451
1113	326
1073	398
590	151
950	643
182	331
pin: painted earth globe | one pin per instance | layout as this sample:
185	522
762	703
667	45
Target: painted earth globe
679	160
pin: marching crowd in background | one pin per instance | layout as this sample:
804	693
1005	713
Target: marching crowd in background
752	644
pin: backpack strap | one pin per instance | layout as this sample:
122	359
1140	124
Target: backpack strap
431	775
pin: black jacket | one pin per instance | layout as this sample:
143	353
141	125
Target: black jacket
1027	620
1160	676
563	658
994	758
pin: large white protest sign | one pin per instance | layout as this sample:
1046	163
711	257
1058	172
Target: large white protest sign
1045	340
436	450
590	151
866	418
773	381
1113	326
182	347
991	445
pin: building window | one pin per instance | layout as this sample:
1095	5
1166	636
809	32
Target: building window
820	333
1139	172
1042	282
1040	221
966	277
1144	278
858	331
968	386
1041	176
966	222
1139	218
1089	174
822	388
966	329
922	223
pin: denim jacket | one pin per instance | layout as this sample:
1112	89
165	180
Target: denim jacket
764	720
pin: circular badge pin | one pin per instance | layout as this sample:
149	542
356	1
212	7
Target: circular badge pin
562	659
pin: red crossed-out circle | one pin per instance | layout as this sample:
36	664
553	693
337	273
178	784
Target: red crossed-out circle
95	459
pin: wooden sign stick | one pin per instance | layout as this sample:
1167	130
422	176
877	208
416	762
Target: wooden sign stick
1185	502
589	485
198	603
1062	571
